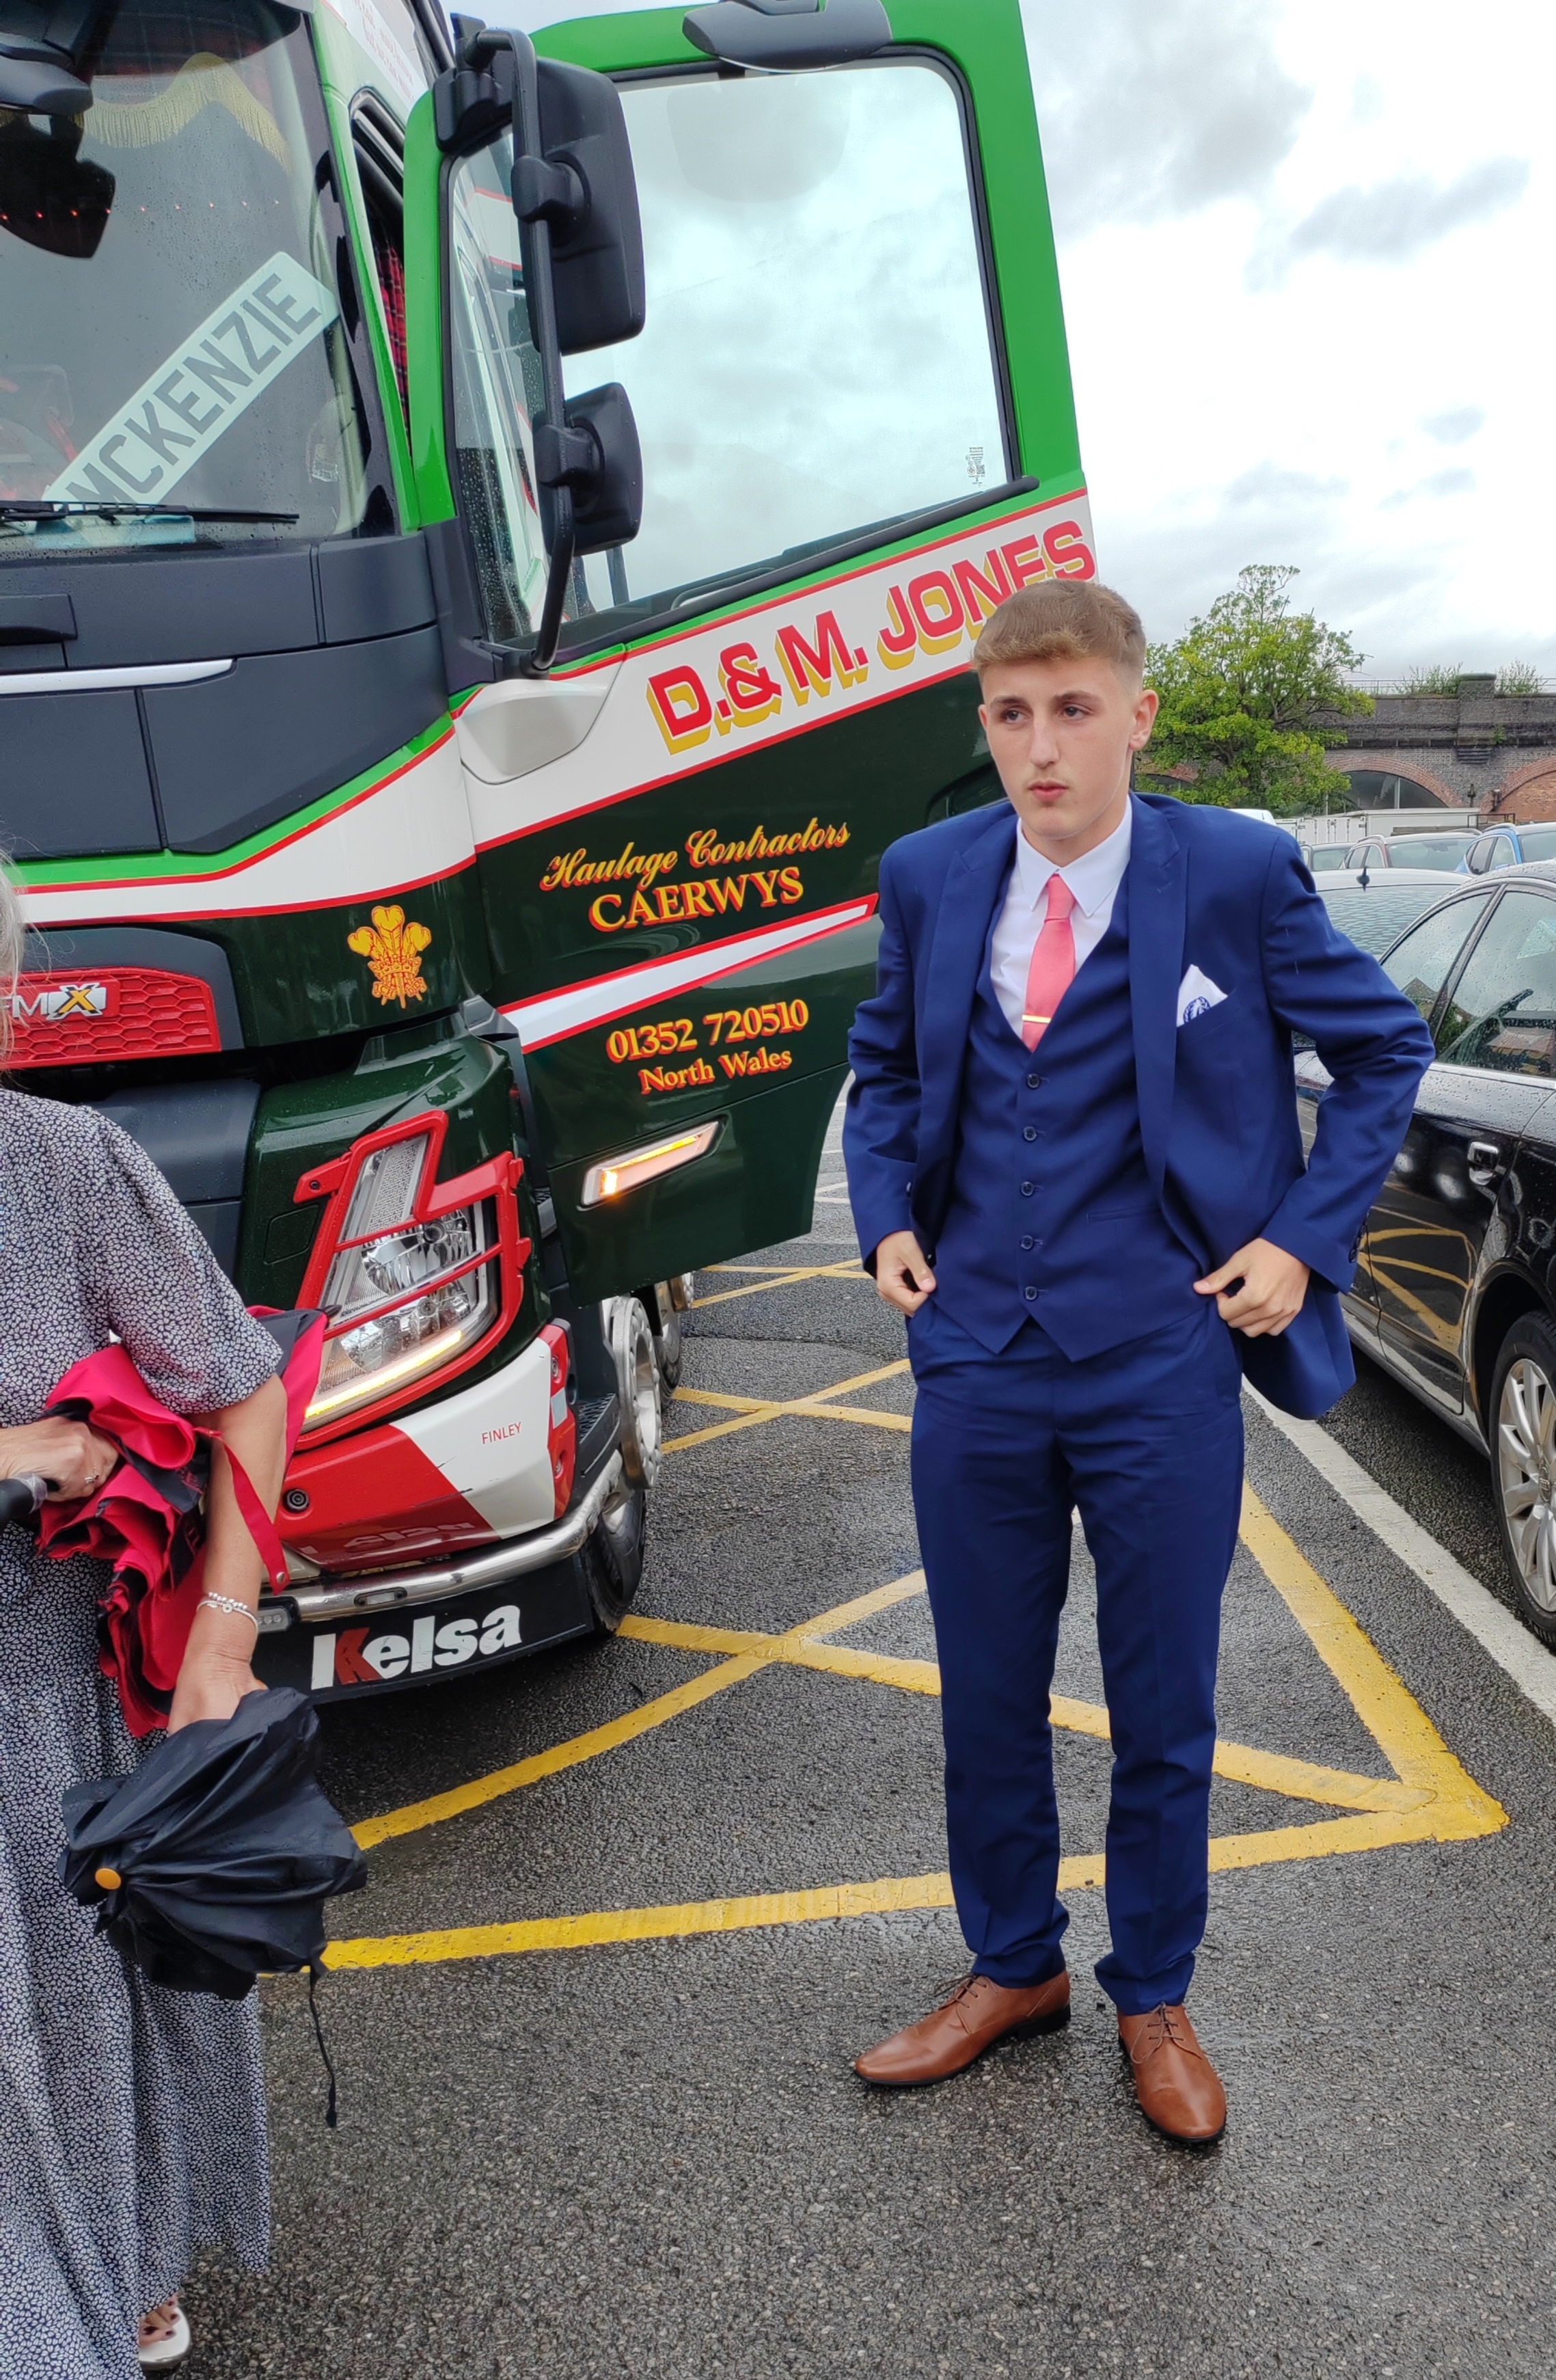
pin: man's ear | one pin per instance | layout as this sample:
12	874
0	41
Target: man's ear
1148	704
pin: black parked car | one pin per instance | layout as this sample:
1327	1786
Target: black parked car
1455	1293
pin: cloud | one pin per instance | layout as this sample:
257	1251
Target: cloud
1454	482
1153	109
1368	100
1172	574
1391	222
1275	488
1459	422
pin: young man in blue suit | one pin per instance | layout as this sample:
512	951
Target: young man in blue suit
1075	1166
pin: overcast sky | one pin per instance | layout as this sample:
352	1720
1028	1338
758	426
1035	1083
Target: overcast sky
1307	249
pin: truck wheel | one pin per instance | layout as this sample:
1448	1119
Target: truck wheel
1523	1435
611	1563
667	1342
637	1385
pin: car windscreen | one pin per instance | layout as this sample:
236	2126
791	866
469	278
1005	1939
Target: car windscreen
1443	851
1373	917
1537	842
173	324
1333	855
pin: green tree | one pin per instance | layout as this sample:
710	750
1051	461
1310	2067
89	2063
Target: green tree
1243	693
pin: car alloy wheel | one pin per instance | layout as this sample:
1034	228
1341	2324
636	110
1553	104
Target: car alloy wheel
1525	1464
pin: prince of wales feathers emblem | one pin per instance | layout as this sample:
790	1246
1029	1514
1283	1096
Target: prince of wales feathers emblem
393	949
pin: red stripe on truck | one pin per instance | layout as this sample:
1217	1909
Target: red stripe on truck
374	1500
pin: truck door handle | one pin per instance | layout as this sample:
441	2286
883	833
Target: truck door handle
1485	1163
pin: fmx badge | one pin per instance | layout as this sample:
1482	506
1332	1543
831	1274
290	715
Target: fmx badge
392	948
50	999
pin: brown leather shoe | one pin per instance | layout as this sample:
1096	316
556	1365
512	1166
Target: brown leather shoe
1178	2088
978	2013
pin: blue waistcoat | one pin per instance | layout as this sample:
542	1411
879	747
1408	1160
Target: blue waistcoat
1052	1216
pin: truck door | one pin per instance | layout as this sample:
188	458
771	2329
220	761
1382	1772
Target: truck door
857	437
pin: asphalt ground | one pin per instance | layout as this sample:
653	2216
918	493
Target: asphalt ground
647	2153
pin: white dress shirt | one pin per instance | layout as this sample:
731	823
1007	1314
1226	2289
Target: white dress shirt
1094	880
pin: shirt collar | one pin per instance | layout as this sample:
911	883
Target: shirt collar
1093	880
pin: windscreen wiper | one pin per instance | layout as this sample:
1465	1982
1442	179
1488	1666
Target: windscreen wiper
50	508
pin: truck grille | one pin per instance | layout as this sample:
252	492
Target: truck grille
111	1013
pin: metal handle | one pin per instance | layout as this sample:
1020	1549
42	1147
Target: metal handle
20	1497
1485	1163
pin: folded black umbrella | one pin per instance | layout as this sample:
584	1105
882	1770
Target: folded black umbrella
211	1863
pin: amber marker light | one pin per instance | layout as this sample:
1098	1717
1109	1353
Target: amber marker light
619	1175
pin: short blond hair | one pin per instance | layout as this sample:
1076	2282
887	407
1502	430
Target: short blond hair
1063	620
11	945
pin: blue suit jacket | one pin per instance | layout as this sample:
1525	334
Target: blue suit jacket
1217	1103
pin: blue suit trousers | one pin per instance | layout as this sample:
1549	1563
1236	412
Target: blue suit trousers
1147	1440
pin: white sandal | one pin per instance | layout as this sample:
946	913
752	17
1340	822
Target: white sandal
167	2354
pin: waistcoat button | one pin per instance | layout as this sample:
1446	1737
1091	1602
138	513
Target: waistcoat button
1030	1133
1028	1242
1027	1188
1034	1082
1031	1297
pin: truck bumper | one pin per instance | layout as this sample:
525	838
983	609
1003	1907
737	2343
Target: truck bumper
340	1637
429	1485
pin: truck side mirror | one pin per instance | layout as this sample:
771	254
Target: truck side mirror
596	247
580	241
607	486
49	195
582	244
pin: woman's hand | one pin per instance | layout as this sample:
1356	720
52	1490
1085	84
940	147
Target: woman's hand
216	1672
211	1686
76	1458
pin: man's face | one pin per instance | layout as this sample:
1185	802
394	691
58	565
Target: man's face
1062	733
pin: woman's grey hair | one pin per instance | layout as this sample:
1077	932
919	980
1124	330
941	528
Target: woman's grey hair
10	950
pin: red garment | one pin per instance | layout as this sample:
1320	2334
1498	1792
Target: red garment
148	1518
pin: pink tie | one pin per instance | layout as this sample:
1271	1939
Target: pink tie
1052	963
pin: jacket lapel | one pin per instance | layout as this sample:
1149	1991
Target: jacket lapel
975	882
1157	902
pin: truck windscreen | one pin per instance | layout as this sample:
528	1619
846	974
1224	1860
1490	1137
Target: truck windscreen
171	329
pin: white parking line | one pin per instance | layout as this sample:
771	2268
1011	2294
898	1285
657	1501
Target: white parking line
1512	1647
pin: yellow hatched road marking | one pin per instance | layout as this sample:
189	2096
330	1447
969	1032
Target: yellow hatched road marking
752	1653
752	1411
1240	1764
1432	1797
892	1893
678	1920
782	1277
571	1754
1383	1702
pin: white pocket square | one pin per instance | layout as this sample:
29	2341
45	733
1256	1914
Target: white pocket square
1197	995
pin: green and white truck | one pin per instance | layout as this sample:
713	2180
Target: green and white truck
492	531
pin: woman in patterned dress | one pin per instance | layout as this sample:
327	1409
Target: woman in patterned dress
132	2120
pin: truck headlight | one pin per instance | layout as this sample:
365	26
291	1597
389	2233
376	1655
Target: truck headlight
414	1274
381	1337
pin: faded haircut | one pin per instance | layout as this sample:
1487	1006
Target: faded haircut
10	951
1066	620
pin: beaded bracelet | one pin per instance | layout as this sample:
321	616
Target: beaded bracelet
229	1603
